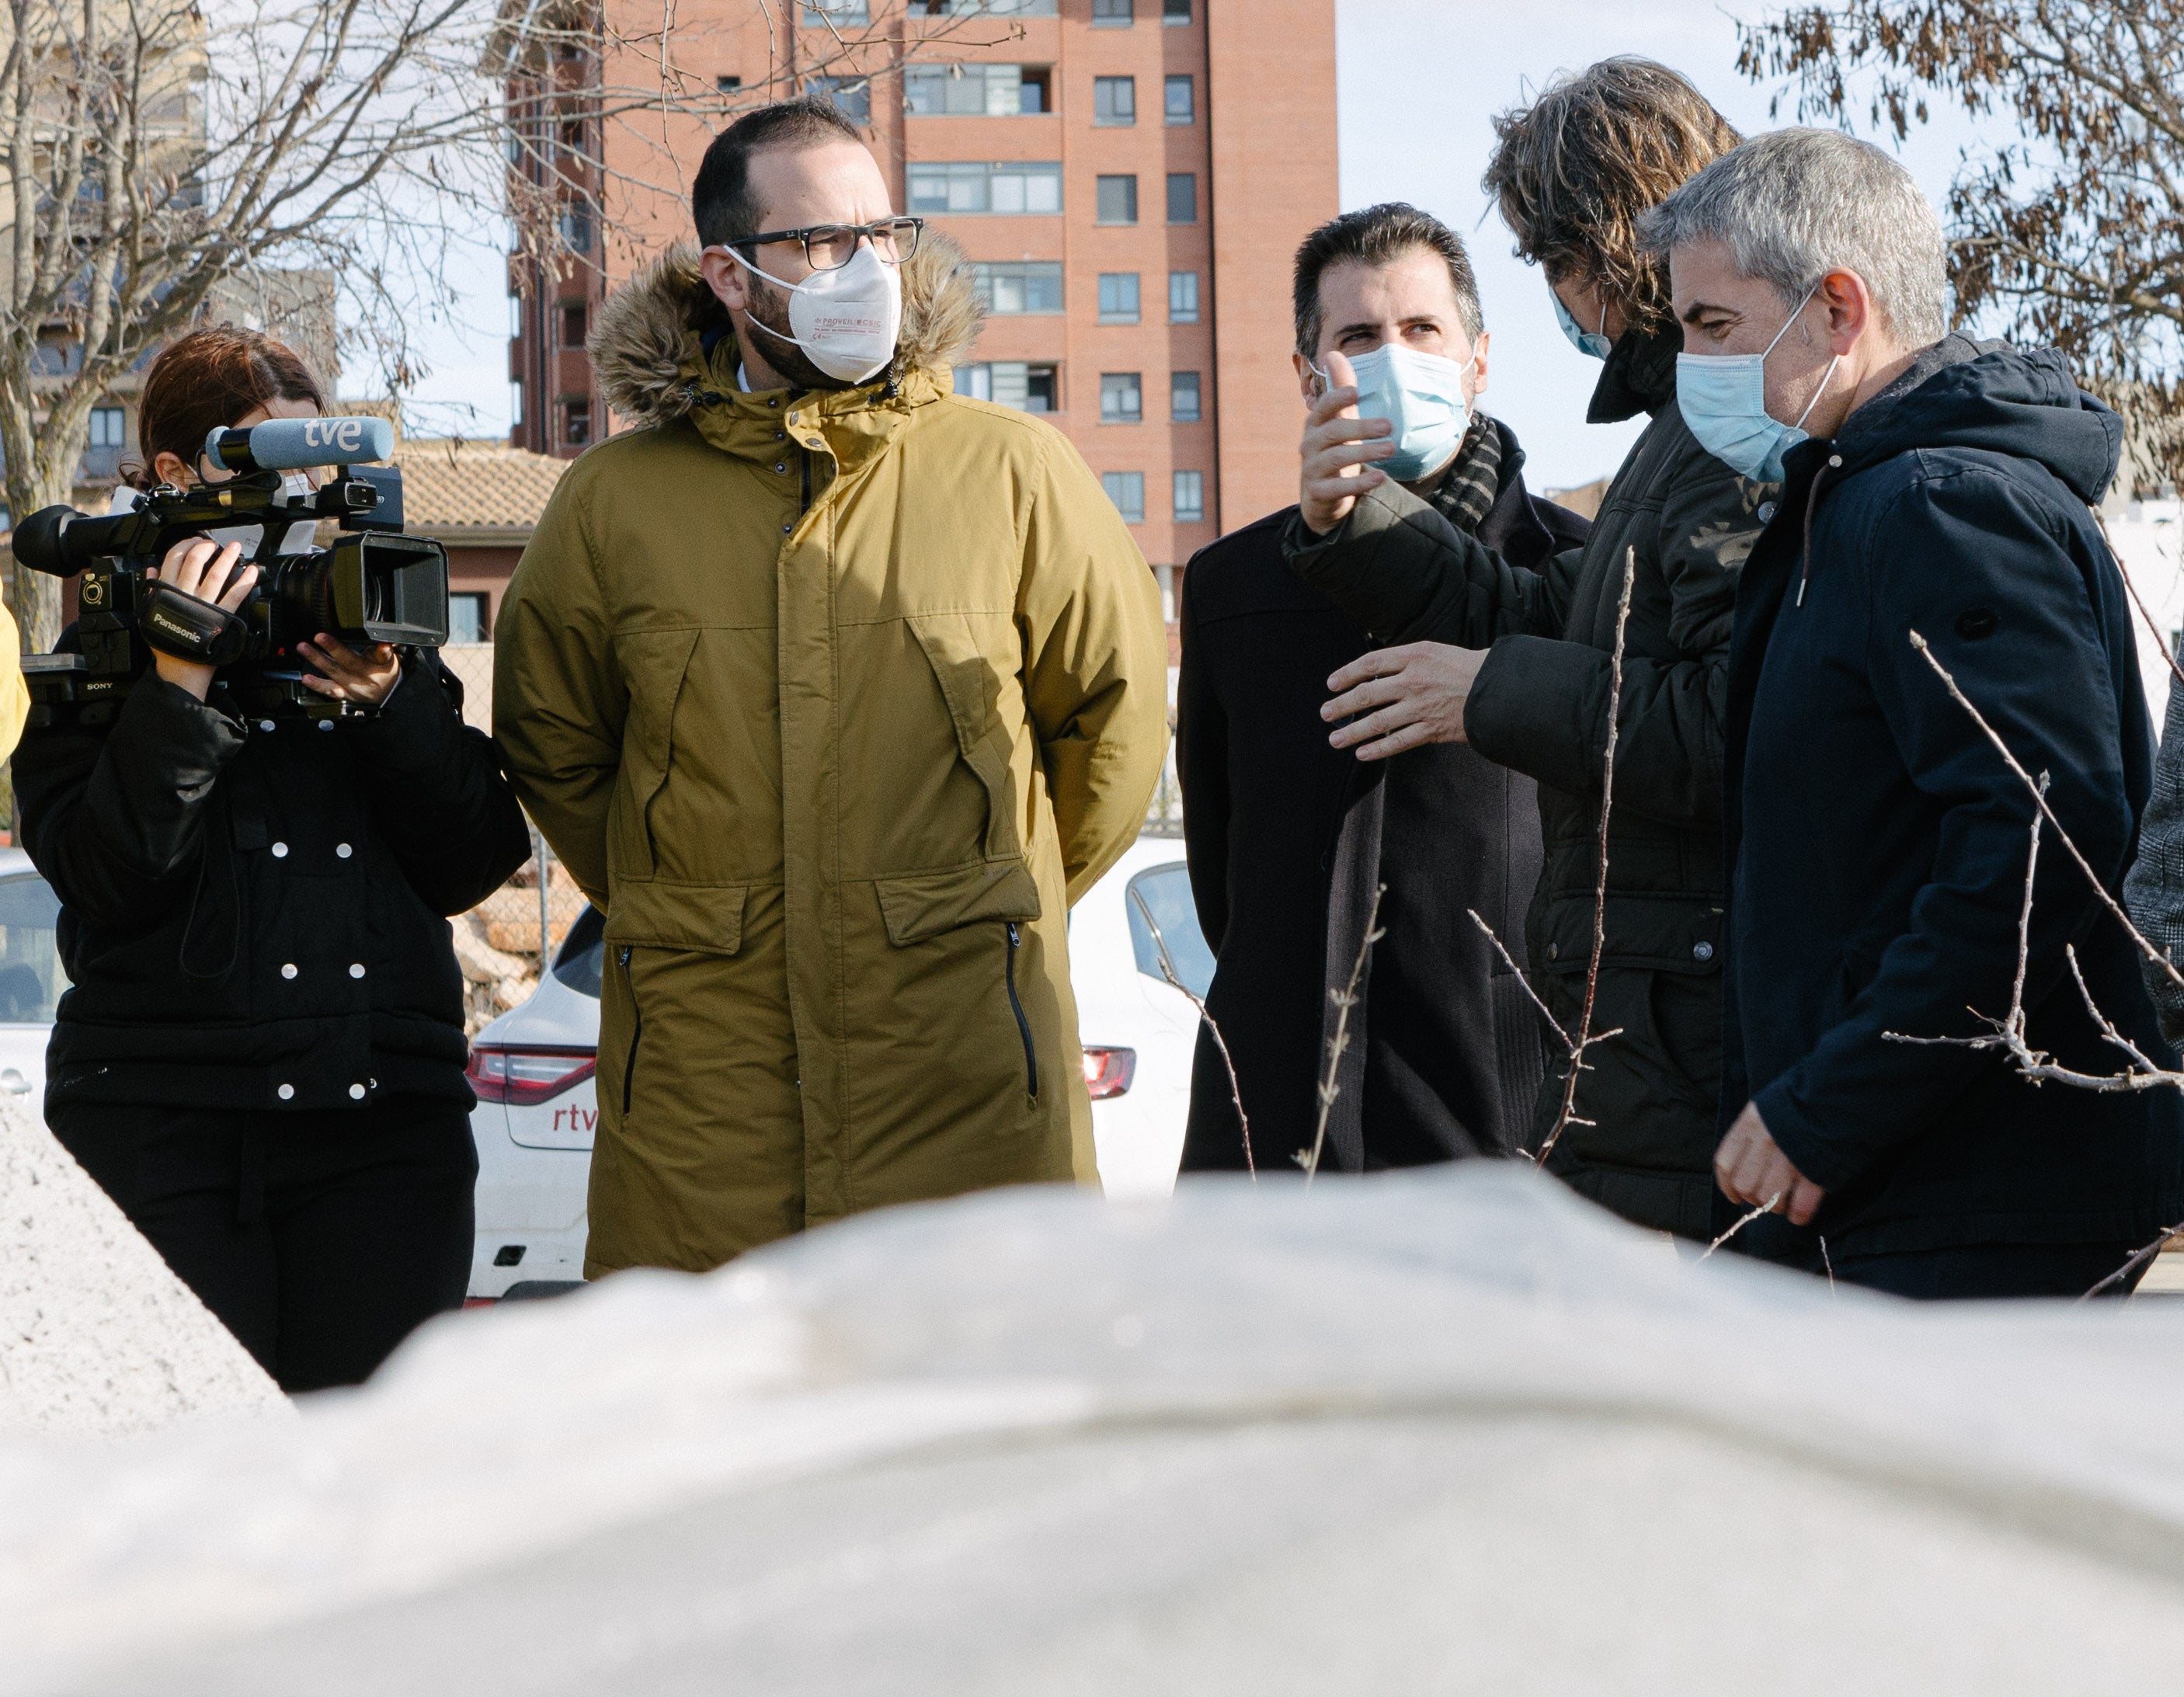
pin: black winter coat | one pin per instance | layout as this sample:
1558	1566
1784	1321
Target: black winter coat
1286	837
253	914
1541	707
1879	843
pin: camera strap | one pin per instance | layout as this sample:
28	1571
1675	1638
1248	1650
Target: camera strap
188	628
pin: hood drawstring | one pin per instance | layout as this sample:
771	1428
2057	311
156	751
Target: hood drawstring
1812	500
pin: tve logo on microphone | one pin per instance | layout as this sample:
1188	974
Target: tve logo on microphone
343	436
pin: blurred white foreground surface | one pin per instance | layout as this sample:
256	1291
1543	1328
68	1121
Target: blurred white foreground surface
96	1334
1454	1432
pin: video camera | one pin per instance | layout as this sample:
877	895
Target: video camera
374	585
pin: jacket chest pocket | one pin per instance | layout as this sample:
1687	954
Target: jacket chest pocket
972	684
654	664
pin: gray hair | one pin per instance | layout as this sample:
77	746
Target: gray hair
1793	205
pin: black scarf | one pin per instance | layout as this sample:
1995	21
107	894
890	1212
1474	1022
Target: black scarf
1467	489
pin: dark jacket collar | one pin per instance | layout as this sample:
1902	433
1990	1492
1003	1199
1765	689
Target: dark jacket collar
1640	376
1523	528
1961	393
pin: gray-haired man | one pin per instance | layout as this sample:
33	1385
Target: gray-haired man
1877	840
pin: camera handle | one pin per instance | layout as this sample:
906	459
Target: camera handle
187	628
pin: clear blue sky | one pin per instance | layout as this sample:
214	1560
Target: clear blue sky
1418	82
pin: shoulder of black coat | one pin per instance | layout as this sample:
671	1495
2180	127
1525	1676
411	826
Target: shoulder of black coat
1244	572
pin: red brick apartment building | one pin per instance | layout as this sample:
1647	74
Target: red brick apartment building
1130	178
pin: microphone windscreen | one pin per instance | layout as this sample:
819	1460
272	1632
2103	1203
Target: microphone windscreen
294	444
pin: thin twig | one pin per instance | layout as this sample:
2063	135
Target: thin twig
1827	1263
1168	972
1766	1207
2145	1254
1585	1037
2108	1026
2040	797
1344	999
2160	642
2010	1031
1503	949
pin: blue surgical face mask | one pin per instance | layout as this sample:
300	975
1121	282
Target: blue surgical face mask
1723	398
1422	396
1594	342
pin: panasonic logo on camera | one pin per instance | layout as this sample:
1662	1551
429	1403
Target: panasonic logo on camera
169	625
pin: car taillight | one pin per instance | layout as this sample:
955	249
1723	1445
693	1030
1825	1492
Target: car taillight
529	1074
1108	1071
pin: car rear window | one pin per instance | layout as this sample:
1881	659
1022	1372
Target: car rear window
1165	891
583	954
30	976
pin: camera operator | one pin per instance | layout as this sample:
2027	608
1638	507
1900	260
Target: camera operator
261	1059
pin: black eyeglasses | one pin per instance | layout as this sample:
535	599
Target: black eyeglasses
829	247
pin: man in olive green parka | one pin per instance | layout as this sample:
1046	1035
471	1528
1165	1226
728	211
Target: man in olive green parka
832	695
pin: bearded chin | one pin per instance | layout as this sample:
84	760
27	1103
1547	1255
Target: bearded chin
769	309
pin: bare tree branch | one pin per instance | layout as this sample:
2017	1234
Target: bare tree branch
1586	1038
1197	1001
1343	1000
2068	224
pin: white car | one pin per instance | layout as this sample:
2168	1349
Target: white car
532	1070
30	976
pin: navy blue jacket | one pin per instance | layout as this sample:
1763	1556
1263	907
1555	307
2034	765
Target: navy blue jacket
1877	842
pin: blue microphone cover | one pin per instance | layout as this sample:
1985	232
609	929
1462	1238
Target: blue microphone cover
293	444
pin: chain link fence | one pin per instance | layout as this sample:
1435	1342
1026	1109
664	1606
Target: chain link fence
506	941
1164	812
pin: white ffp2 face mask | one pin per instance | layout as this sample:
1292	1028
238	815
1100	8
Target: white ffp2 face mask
847	320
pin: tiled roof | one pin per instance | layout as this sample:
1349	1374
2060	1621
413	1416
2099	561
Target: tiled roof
456	488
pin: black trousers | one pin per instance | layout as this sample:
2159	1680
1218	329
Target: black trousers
320	1240
1993	1270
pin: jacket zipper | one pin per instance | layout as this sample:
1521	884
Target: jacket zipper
1015	1007
637	1031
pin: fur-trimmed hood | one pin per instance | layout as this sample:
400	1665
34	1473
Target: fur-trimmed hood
649	345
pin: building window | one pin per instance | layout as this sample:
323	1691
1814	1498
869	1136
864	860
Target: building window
110	427
1030	388
466	617
1183	297
1178	103
575	324
1118	200
1121	397
818	14
1110	14
1175	11
1114	100
575	229
1127	490
981	8
1189	497
1182	197
1118	297
515	404
1006	188
977	91
727	85
1182	396
575	423
1013	289
852	95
